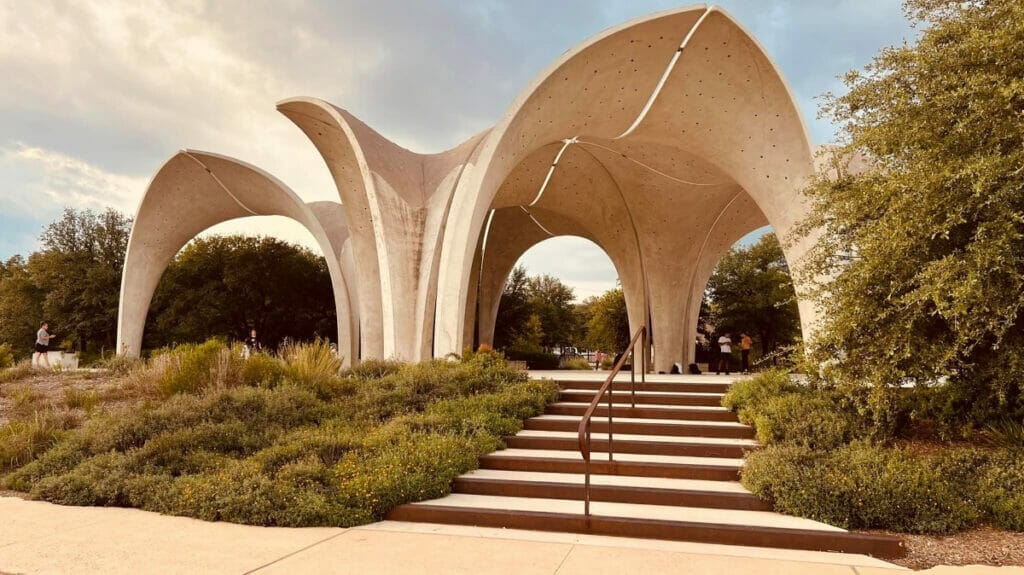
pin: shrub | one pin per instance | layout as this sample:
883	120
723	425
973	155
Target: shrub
312	366
22	440
1002	493
119	364
86	400
534	359
802	419
288	454
746	395
262	370
6	356
374	369
577	363
17	372
191	368
861	486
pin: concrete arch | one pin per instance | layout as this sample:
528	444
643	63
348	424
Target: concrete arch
196	190
685	125
513	232
397	202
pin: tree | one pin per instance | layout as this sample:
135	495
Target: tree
227	285
530	338
751	291
79	274
513	310
552	301
608	327
21	307
924	249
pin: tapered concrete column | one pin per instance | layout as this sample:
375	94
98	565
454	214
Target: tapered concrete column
192	192
397	203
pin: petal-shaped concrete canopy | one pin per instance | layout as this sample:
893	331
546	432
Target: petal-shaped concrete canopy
664	140
196	190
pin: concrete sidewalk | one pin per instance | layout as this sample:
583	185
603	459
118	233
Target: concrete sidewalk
38	538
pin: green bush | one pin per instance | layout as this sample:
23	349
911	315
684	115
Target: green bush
191	368
288	453
747	395
262	370
313	366
373	369
534	359
6	356
1002	493
802	419
861	486
22	440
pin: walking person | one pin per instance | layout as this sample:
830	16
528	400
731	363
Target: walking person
746	344
42	348
598	356
724	353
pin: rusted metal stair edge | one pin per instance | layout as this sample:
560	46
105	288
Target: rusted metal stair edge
613	493
641	411
604	467
653	428
632	446
721	534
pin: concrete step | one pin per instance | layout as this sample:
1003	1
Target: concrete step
643	490
656	386
725	526
624	398
625	464
628	443
691	413
643	426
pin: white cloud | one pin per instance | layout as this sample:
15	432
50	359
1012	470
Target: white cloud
54	180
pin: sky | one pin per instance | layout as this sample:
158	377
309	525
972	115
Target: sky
97	94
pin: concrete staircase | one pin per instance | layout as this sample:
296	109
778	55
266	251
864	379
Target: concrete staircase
674	475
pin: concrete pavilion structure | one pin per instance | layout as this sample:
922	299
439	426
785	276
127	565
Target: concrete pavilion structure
663	140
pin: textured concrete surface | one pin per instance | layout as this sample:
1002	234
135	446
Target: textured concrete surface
40	538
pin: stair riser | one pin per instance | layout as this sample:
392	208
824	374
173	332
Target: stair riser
623	399
600	425
626	446
645	413
650	386
618	494
604	467
876	545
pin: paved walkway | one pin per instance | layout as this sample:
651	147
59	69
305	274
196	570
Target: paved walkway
39	538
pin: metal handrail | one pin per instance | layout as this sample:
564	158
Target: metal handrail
607	387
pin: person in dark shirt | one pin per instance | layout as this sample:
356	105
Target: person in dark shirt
252	344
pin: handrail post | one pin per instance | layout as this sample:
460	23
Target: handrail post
611	390
586	481
643	361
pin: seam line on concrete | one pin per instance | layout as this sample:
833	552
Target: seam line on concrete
564	559
221	184
296	552
551	170
527	212
664	77
651	168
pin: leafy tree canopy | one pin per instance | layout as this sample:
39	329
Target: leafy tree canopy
925	248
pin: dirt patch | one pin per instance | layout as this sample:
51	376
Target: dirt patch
983	546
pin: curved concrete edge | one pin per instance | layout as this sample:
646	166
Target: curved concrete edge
336	142
191	192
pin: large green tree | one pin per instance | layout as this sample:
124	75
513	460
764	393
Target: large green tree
608	324
21	306
513	310
751	291
924	249
78	272
545	297
227	285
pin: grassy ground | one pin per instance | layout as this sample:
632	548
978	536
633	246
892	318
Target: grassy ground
199	432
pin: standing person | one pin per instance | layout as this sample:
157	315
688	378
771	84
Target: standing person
746	344
42	348
251	345
724	353
598	356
